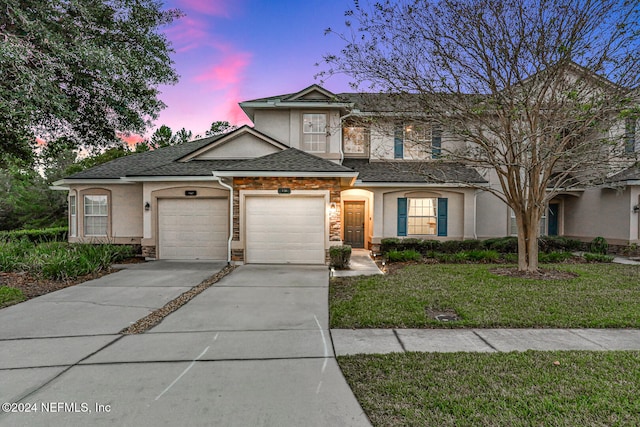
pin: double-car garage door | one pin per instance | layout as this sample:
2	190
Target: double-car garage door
277	230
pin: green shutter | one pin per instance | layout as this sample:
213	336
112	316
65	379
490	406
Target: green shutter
402	216
442	216
398	142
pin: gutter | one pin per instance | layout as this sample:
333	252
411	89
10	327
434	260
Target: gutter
230	188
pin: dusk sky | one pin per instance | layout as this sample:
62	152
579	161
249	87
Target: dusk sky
228	51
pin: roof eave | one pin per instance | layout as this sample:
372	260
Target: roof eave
307	174
360	183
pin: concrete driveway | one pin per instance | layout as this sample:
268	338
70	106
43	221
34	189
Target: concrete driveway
254	349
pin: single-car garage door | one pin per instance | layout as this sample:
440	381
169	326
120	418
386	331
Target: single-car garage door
285	230
193	228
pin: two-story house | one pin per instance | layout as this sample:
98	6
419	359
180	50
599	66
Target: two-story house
313	172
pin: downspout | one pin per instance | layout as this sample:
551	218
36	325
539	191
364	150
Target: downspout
230	188
475	214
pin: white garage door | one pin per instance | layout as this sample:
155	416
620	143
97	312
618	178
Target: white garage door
285	230
193	228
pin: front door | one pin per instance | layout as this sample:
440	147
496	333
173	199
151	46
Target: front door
354	224
554	212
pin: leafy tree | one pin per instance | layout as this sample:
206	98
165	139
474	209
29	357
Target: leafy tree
80	69
220	127
532	87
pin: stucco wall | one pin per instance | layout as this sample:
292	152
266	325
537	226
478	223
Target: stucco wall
275	123
600	212
125	212
242	147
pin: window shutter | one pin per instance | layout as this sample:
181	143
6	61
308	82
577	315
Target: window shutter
436	142
398	143
402	216
442	216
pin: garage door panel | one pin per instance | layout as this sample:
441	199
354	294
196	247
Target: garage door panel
285	230
192	228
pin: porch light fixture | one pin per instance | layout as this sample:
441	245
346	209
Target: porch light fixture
147	207
332	207
636	208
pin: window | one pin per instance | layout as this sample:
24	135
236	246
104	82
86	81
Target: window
95	215
73	219
630	135
355	141
417	141
314	132
513	224
421	217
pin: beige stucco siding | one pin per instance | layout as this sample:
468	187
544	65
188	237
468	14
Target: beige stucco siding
125	207
274	123
241	147
600	212
492	216
455	217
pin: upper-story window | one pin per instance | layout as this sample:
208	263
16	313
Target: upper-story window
355	140
314	132
417	141
630	135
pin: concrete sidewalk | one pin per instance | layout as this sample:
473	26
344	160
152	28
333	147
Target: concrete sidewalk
354	341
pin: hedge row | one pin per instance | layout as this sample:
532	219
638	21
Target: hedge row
503	245
53	234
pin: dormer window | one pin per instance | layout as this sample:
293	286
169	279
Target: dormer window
355	140
314	132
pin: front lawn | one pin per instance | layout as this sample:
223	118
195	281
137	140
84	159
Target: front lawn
498	389
9	296
602	296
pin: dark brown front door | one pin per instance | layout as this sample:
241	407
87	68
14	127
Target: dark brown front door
354	224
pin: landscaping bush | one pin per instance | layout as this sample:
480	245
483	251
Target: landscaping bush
552	257
451	246
558	244
480	255
510	258
389	244
401	256
504	245
599	245
10	296
591	257
471	244
426	246
54	234
340	256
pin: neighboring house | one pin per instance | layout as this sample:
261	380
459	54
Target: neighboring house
313	172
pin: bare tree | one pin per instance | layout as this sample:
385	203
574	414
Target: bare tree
532	88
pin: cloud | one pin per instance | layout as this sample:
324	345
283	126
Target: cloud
221	8
227	73
131	139
188	33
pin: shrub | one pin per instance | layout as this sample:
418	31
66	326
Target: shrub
53	234
599	245
482	255
340	256
554	257
510	258
591	257
451	246
10	296
558	244
426	246
471	244
504	245
406	255
389	244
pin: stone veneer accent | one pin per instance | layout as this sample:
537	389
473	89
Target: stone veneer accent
294	183
149	251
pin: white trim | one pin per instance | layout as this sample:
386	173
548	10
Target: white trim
135	179
289	104
287	174
359	183
80	181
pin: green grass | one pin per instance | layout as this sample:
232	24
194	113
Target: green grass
59	260
499	389
9	296
603	296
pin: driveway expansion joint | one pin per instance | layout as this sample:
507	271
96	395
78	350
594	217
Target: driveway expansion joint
395	332
484	340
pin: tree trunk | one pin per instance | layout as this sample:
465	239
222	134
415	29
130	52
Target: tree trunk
528	224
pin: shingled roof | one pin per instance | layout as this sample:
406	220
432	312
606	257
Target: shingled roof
289	160
415	172
629	174
141	163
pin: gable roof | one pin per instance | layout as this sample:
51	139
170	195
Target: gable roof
630	174
413	172
325	95
135	164
226	138
289	160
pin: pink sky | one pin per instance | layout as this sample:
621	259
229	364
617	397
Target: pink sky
229	51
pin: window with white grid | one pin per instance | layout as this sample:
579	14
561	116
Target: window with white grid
95	215
314	132
421	216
